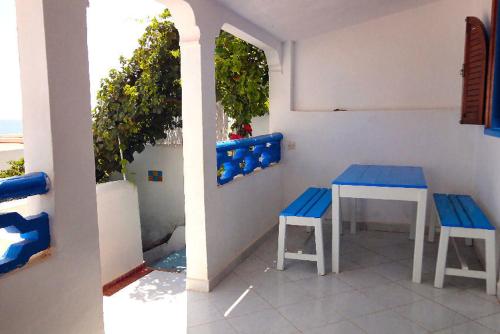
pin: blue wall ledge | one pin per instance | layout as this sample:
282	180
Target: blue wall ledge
493	132
18	187
35	235
34	231
243	156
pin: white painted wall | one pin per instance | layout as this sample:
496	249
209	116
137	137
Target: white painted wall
247	208
404	69
119	229
408	60
430	139
161	203
487	168
487	181
10	152
260	125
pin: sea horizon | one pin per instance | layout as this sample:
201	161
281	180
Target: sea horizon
11	127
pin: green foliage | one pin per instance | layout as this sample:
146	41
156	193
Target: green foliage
140	101
242	80
16	168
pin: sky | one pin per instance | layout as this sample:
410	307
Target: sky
113	29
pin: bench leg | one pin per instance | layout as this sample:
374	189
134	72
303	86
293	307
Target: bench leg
432	226
441	259
491	270
336	219
318	230
353	215
281	243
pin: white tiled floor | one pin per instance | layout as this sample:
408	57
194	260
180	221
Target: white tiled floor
373	294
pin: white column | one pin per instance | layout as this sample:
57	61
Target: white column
281	89
62	293
199	139
207	221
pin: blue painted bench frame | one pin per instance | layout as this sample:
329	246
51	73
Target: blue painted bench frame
307	210
460	216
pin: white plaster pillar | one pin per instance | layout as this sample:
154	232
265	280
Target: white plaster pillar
198	27
208	223
199	139
62	293
281	88
200	167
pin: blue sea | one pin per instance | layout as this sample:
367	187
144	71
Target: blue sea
11	126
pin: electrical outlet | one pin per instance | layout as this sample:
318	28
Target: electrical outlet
291	145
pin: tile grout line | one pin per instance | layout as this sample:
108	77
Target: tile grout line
359	290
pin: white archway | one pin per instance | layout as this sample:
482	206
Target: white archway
199	23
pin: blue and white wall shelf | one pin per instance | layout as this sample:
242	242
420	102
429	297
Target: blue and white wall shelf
34	235
243	156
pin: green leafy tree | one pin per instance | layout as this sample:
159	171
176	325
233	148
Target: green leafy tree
242	81
16	168
140	101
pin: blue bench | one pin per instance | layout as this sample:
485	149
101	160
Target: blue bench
460	216
307	210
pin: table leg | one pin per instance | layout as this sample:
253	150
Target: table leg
335	229
419	236
413	227
353	215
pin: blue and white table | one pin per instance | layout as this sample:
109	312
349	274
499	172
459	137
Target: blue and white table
381	182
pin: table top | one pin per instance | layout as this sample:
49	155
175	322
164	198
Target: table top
382	176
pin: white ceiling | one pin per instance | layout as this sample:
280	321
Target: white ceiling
297	19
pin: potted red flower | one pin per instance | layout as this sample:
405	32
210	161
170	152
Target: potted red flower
242	131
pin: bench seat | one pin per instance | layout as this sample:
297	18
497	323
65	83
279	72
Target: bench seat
313	203
307	210
461	217
461	211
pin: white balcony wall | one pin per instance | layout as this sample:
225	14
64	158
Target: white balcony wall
10	152
399	75
119	229
161	203
260	125
246	208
